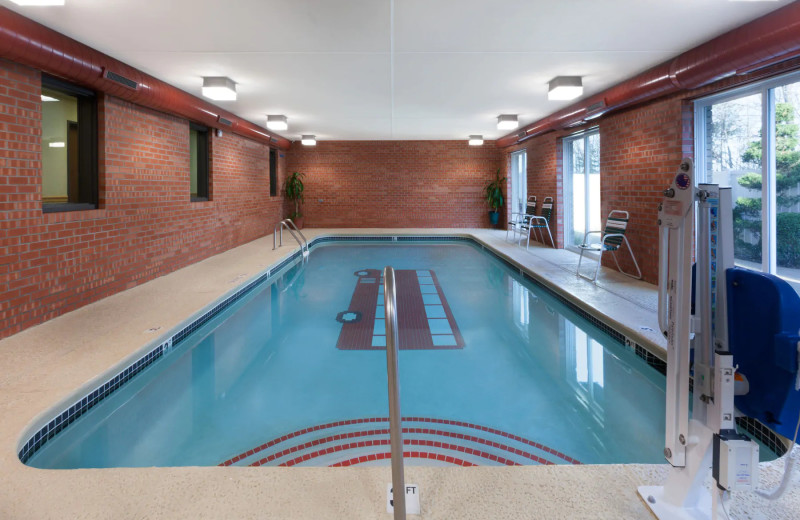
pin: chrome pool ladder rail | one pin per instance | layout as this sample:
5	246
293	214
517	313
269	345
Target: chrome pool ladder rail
289	225
395	426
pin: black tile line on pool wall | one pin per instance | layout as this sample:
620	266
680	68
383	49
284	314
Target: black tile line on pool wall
81	406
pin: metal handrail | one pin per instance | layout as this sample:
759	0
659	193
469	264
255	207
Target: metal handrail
289	225
395	427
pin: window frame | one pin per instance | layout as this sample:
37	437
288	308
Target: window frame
88	160
203	164
769	225
567	172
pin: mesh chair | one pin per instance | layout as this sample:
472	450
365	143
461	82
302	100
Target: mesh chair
519	218
540	222
611	239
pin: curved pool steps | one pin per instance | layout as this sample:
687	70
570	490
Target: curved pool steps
427	441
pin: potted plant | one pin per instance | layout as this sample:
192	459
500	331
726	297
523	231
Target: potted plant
293	188
494	196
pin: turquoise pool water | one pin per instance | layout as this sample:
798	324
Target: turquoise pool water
269	366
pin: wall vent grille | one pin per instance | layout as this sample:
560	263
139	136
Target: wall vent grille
122	80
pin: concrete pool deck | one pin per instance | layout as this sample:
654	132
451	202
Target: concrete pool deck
43	366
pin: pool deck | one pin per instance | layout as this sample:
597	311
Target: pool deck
45	365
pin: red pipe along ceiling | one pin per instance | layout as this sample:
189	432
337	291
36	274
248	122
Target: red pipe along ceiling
29	43
762	42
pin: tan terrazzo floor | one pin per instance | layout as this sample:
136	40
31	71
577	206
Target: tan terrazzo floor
45	365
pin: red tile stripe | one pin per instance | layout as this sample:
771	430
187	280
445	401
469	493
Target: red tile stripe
349	422
411	442
406	455
385	431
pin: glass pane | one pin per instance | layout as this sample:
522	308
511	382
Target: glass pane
593	160
518	182
733	158
787	182
193	162
59	147
578	187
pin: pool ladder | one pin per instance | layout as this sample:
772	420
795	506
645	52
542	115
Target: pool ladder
288	224
395	427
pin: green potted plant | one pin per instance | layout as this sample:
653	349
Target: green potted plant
293	189
494	196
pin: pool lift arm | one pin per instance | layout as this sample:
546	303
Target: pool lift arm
690	443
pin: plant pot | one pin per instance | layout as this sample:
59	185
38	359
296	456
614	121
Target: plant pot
298	221
494	217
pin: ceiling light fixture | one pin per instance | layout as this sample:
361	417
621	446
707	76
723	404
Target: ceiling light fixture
277	122
475	140
48	98
219	88
563	88
38	2
507	122
309	140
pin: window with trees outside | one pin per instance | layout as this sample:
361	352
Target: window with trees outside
519	181
749	139
581	186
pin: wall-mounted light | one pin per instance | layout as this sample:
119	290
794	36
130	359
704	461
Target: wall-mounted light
309	140
475	140
277	122
563	88
38	2
56	144
507	122
48	99
219	88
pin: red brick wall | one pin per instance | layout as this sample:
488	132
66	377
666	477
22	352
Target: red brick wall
395	183
145	226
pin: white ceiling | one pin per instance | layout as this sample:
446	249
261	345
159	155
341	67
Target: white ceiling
443	69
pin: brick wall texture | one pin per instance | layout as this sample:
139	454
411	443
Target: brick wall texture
395	183
145	226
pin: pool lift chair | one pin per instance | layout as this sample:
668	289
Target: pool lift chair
518	218
610	240
540	222
737	335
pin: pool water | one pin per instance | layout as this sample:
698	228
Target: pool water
500	355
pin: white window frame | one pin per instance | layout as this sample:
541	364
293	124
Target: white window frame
769	225
567	184
519	180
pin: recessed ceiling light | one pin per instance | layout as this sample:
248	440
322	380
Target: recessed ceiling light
563	88
48	98
475	140
309	140
219	88
38	2
507	122
57	144
277	122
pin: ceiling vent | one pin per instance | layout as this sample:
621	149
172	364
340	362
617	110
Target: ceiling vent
595	109
121	80
227	122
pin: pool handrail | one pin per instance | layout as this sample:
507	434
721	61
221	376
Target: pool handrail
395	421
290	225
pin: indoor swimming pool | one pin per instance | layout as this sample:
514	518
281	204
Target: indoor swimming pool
493	370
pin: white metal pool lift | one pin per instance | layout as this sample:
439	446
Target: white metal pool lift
690	442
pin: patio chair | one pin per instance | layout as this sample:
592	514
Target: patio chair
519	218
540	222
610	240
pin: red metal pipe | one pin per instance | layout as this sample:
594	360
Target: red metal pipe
29	43
764	41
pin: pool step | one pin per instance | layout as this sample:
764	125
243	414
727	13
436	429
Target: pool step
427	441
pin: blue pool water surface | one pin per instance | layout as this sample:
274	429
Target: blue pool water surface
269	366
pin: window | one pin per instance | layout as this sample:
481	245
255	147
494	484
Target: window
198	162
749	139
273	173
581	186
519	181
69	147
